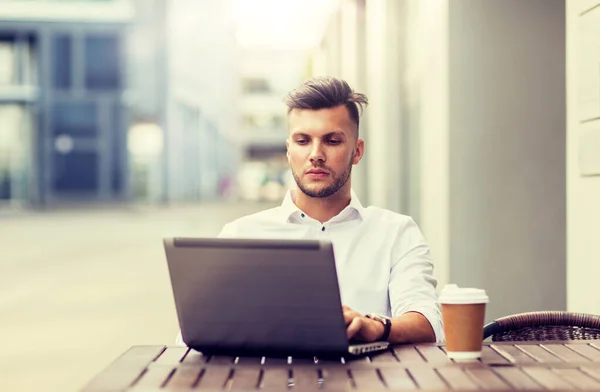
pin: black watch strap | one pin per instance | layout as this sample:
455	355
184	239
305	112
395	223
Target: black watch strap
387	325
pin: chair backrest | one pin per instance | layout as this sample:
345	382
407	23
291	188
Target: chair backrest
544	326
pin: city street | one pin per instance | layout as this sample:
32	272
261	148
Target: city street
80	286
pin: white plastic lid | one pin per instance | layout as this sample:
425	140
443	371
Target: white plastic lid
452	294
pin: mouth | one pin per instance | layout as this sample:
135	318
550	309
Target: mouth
317	173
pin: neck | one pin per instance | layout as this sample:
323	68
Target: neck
324	208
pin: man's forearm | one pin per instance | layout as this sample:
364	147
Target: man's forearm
411	327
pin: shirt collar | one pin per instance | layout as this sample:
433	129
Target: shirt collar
289	208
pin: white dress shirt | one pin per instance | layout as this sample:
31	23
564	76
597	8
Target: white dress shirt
382	260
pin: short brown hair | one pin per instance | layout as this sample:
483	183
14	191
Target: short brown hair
326	92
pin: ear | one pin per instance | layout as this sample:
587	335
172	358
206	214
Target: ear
287	149
359	151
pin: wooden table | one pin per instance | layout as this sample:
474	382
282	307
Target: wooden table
536	366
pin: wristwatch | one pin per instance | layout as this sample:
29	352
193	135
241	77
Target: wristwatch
387	324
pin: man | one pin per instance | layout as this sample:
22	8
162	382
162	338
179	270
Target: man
383	262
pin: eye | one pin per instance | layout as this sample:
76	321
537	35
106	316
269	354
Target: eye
301	141
334	141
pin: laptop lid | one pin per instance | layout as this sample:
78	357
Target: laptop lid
256	296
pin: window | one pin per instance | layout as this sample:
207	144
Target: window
102	69
7	62
61	61
76	171
255	86
118	149
75	118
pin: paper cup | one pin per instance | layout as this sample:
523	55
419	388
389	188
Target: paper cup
463	313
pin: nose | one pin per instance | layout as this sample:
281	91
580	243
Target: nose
317	153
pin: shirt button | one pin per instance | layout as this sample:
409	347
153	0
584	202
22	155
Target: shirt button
302	215
323	228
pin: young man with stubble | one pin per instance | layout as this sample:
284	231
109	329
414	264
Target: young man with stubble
383	263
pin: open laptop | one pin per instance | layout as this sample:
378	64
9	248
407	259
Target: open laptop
257	297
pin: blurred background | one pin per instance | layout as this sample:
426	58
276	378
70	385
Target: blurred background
125	121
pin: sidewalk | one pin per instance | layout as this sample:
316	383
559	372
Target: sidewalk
78	286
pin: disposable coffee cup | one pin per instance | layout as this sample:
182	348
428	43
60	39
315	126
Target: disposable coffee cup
463	312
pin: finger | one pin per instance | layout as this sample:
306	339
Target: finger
348	317
354	327
345	308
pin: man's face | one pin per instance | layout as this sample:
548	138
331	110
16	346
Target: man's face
321	149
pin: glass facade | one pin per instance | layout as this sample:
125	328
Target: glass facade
15	142
102	69
87	128
16	70
61	66
63	122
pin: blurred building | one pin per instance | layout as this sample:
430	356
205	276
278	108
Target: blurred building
465	132
203	109
583	154
113	100
62	117
267	75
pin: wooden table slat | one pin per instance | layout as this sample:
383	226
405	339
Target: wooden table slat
306	378
245	378
397	378
223	360
172	355
578	378
491	356
513	354
432	353
124	370
457	378
547	378
275	378
303	361
592	372
214	377
276	361
141	355
533	366
184	377
332	362
385	356
586	350
539	353
517	378
358	363
427	378
565	353
367	379
255	361
486	378
155	376
336	378
115	379
194	357
408	354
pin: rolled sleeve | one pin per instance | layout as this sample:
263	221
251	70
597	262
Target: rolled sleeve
412	284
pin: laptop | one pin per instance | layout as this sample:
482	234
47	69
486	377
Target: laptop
259	297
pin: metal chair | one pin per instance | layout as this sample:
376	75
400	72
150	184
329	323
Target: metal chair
544	326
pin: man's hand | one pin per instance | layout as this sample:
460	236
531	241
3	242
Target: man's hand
361	328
